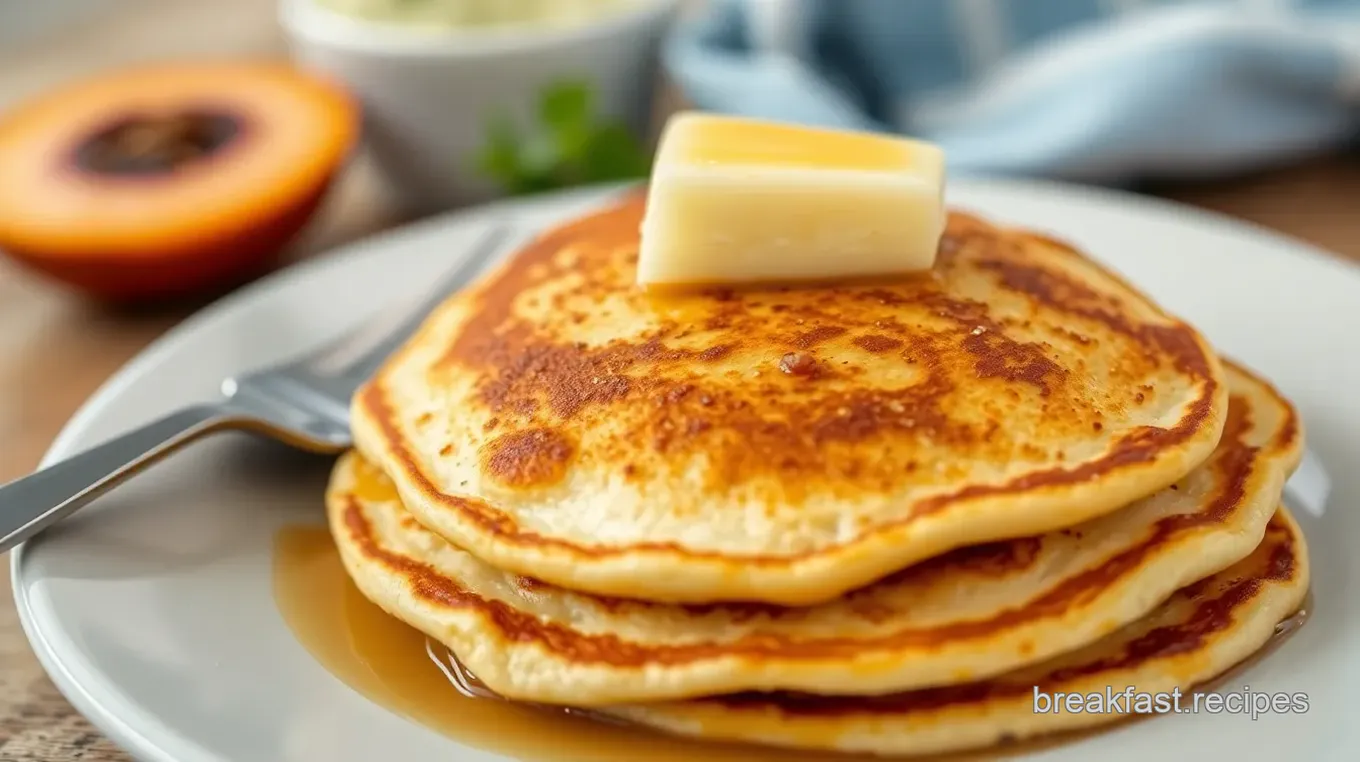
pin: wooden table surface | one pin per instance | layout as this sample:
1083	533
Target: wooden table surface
55	349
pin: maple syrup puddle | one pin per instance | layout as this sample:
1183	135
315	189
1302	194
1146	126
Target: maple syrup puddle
399	668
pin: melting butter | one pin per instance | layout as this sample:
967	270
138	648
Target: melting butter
736	201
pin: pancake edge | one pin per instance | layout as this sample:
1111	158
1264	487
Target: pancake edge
1272	603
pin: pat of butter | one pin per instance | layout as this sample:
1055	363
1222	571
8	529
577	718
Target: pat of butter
737	201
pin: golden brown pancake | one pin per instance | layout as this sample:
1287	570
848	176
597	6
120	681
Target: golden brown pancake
782	445
1198	634
972	613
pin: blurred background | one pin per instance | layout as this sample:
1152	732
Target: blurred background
129	197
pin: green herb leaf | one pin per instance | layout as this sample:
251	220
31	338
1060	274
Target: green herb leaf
613	154
499	157
566	106
571	145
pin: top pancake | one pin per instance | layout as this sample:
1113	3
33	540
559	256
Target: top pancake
782	445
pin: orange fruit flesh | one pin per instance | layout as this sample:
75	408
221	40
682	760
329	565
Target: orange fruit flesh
233	205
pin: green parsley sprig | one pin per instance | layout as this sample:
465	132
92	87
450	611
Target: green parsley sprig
570	146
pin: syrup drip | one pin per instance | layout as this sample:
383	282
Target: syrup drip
1292	624
468	685
461	677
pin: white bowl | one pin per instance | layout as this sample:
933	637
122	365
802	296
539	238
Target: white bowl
428	94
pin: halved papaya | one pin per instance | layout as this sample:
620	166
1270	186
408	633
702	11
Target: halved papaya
170	179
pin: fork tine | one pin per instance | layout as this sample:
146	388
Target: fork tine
361	351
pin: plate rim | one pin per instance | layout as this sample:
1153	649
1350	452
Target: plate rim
128	734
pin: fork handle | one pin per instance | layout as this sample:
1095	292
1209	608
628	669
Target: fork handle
32	503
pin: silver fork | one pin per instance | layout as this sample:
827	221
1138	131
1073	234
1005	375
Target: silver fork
303	402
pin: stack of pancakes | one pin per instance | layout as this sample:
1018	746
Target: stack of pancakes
870	518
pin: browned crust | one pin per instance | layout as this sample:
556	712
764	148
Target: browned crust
1234	469
567	375
529	458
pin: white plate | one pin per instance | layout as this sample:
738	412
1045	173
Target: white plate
152	611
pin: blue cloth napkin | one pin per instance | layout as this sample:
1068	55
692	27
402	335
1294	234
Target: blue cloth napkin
1091	90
